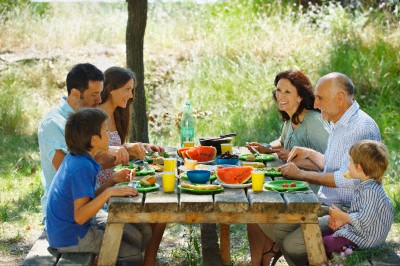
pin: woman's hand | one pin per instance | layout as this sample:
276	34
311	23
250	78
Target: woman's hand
153	147
292	171
259	147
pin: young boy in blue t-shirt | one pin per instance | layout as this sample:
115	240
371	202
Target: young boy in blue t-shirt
72	198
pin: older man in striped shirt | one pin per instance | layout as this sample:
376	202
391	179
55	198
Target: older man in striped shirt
334	97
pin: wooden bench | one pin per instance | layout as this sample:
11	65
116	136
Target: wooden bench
42	254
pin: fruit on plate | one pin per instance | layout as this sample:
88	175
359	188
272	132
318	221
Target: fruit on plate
201	153
234	175
147	181
285	185
182	152
293	184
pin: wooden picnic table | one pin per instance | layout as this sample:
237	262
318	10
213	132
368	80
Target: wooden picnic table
233	206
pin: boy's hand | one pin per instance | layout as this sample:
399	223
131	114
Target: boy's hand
122	191
122	175
120	154
336	213
335	224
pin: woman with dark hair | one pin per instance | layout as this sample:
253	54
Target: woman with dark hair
116	97
303	126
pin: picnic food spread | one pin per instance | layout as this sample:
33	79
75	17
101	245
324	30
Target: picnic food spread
199	153
147	181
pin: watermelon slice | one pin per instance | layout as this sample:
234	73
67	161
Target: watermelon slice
234	175
201	153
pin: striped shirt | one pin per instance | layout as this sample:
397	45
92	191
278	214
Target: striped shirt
354	125
371	216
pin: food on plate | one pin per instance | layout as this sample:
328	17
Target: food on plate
347	174
254	164
251	158
201	167
201	187
284	185
158	160
147	181
182	152
228	155
157	167
201	153
234	175
293	184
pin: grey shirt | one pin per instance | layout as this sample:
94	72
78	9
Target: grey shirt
312	133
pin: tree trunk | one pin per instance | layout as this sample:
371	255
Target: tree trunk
136	27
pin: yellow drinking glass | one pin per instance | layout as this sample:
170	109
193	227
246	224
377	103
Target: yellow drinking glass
188	144
226	147
168	181
257	180
170	164
190	164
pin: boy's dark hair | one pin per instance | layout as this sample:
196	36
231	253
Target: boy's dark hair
81	127
80	75
373	157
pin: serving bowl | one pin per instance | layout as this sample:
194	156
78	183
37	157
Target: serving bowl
198	176
232	161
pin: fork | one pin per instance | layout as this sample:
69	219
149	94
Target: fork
130	179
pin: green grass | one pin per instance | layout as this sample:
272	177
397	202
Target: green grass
223	57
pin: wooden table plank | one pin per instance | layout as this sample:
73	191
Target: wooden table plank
266	201
196	203
159	201
122	204
301	201
231	200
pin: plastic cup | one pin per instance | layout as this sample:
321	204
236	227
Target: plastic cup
188	144
190	164
170	164
168	181
226	147
257	180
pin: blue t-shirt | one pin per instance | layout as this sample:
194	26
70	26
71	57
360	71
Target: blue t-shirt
76	178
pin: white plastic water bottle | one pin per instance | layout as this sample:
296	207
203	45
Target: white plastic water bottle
187	124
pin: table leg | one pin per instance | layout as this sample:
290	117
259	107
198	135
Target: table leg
225	246
314	245
111	242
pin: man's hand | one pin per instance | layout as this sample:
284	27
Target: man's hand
259	147
119	153
135	150
292	171
282	154
298	154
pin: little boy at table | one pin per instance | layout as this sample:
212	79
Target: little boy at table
368	221
72	198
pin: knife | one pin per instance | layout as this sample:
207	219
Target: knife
228	135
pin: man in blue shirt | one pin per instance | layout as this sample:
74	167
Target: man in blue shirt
334	97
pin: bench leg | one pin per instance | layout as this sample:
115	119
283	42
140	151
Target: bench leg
225	245
314	245
111	243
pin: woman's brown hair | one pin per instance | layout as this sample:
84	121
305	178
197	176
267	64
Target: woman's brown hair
115	78
304	89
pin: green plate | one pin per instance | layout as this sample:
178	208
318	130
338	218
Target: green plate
198	191
139	187
144	171
184	177
271	171
277	185
259	158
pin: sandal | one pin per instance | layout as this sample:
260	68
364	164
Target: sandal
276	254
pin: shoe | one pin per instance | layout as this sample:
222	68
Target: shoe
275	254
